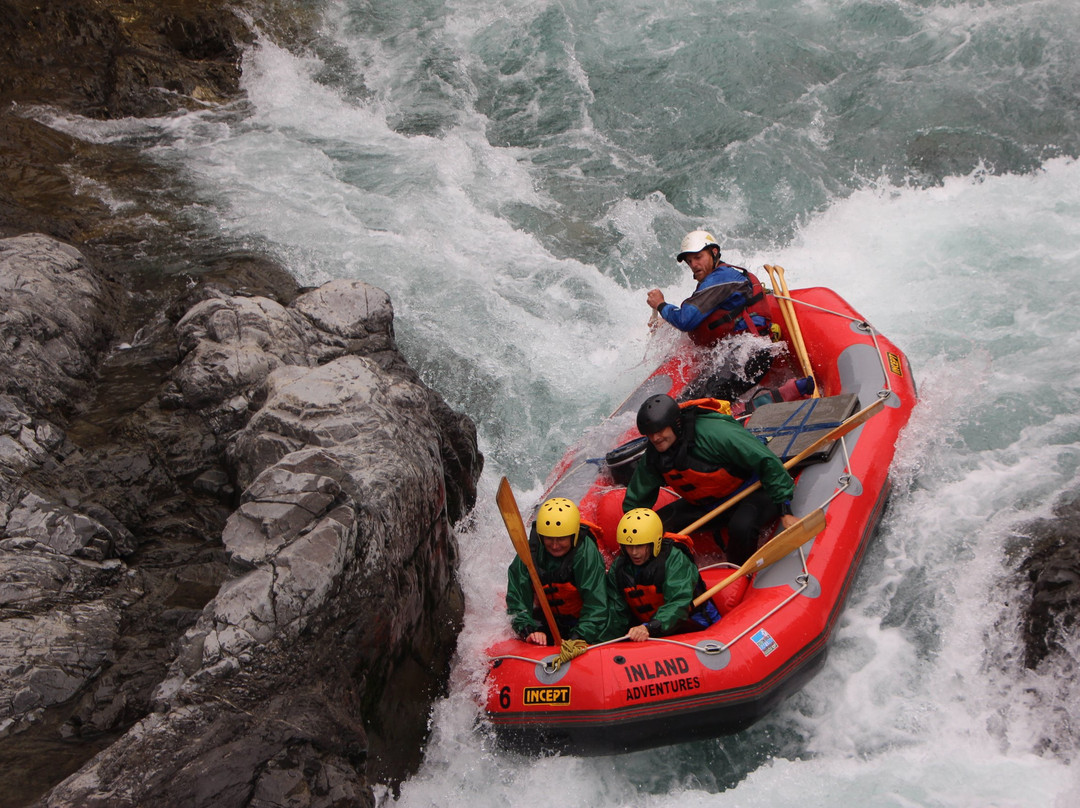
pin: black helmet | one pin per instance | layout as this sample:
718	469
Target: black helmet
658	412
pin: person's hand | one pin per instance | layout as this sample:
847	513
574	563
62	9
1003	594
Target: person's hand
654	321
638	634
787	520
655	299
537	638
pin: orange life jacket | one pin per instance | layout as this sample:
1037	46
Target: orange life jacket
692	478
564	599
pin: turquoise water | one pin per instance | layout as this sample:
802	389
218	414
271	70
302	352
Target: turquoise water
518	174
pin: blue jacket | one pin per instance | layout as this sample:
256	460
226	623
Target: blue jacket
726	287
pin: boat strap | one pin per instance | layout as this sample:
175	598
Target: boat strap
788	427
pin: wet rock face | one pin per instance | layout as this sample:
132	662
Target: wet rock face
1051	567
113	58
53	324
105	59
226	561
255	565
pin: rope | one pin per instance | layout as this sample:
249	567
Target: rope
691	646
570	649
863	324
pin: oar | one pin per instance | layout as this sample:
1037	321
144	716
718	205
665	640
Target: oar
787	308
795	327
516	528
776	548
833	434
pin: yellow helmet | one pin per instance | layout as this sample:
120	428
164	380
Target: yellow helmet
640	526
558	517
695	241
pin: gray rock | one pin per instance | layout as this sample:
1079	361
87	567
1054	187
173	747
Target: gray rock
253	646
45	659
57	526
53	322
1049	552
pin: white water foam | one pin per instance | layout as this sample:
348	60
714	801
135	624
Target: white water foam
922	701
912	707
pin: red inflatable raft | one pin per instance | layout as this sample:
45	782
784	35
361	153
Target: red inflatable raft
774	633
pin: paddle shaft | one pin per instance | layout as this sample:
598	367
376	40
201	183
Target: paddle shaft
833	434
776	548
787	308
516	528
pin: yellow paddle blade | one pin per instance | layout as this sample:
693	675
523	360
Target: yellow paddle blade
515	526
786	541
779	546
511	516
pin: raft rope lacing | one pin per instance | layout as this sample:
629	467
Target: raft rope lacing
803	579
862	325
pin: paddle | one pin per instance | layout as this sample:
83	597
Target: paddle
516	528
787	309
833	434
776	548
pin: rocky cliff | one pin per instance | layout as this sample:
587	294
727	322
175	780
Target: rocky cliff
255	565
226	503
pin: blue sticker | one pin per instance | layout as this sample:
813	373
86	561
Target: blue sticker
764	641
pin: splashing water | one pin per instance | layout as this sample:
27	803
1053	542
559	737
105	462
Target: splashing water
517	176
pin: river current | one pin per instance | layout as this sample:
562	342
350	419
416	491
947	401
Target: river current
516	175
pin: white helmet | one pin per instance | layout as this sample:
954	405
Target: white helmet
695	241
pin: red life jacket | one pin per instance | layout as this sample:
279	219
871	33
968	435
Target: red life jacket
643	587
695	480
702	485
560	588
564	599
722	322
644	600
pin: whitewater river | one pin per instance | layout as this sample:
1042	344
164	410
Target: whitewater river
518	174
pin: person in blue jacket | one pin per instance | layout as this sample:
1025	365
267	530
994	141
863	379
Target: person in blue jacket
728	300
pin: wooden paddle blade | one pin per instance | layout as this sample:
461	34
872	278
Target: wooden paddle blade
779	546
787	309
786	541
515	526
511	517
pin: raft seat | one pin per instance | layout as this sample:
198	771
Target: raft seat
788	427
730	596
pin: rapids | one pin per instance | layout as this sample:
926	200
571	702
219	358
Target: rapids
518	174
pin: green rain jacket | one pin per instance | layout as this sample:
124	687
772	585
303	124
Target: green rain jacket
722	441
588	570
